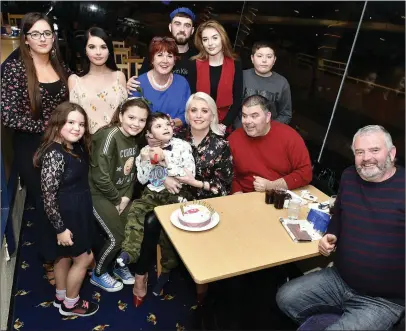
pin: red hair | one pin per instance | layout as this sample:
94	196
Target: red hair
162	44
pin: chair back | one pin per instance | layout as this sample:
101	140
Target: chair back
118	44
121	55
15	19
133	66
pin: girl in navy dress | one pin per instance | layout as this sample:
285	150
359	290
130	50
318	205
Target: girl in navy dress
63	158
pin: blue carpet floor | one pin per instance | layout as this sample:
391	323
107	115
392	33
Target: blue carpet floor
31	307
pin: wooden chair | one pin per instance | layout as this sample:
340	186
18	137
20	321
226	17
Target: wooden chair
123	67
14	19
121	55
118	44
133	66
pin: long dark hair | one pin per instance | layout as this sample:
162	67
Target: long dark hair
99	32
53	131
32	80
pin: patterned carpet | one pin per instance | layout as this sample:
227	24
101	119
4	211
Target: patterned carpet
31	306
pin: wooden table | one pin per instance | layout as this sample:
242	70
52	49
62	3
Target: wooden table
248	238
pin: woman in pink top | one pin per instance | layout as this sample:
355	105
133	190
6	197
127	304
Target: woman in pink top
101	87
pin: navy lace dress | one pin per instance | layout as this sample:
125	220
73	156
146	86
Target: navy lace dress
67	200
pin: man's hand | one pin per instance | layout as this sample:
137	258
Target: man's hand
172	185
132	84
327	244
65	238
239	192
260	184
123	204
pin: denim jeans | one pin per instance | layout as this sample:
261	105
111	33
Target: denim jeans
324	291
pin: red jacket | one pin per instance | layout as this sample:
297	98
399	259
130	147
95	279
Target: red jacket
281	153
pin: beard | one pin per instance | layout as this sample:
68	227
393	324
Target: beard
181	39
376	171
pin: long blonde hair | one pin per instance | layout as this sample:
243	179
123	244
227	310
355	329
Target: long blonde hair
214	125
225	41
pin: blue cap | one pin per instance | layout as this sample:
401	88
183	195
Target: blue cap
184	10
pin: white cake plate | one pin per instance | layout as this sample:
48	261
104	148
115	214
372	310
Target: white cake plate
215	219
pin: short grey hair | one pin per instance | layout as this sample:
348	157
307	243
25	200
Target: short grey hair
373	129
214	125
259	100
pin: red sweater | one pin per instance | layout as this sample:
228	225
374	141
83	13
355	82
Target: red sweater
281	153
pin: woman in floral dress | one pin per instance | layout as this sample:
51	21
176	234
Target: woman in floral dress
101	87
214	174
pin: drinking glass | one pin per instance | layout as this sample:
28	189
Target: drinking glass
279	198
294	209
269	196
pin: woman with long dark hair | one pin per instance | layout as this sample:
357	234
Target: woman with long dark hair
33	85
100	87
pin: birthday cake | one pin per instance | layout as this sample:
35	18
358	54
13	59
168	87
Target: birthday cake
195	215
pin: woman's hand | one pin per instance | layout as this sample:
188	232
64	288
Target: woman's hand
222	129
152	142
188	179
172	185
123	204
65	238
132	84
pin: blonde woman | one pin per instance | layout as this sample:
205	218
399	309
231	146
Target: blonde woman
214	173
217	72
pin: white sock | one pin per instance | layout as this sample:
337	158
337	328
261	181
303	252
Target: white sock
69	303
60	294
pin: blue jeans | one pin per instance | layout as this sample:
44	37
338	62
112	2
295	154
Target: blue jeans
324	291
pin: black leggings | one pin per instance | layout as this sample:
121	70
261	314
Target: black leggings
152	231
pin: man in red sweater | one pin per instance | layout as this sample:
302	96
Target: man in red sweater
267	154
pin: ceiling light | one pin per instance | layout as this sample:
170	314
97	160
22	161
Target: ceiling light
312	16
93	7
370	17
317	34
382	39
336	10
296	11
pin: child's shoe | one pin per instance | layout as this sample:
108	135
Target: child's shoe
125	275
106	282
82	308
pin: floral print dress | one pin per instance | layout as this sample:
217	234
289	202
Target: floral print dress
214	164
99	106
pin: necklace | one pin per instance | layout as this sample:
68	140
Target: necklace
160	86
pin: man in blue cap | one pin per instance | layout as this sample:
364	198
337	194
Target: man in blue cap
181	28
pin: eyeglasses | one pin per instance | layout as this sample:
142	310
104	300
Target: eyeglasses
158	39
37	35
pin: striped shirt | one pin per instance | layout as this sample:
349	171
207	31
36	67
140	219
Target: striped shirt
369	222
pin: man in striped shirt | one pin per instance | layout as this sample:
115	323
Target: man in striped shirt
366	285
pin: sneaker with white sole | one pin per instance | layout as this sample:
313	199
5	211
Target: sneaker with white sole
125	275
57	303
82	308
106	282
